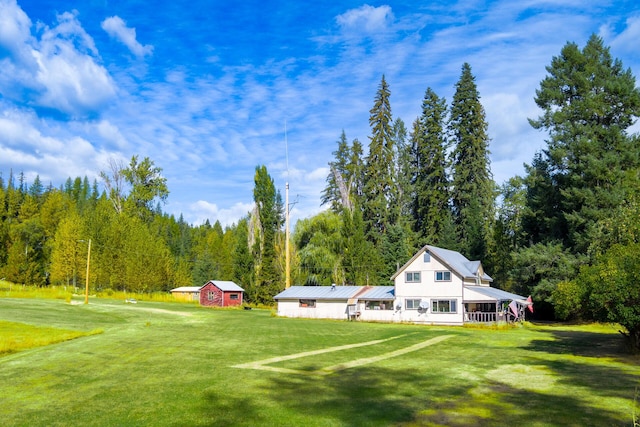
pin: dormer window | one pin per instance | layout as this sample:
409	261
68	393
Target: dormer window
443	276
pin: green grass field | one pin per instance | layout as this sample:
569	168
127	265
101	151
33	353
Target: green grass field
162	364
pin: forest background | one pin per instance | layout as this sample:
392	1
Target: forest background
567	232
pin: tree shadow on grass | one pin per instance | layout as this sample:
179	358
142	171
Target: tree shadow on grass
584	343
605	376
496	403
369	396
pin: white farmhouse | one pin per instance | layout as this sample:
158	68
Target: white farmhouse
436	286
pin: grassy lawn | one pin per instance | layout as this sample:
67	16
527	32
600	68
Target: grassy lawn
177	365
15	337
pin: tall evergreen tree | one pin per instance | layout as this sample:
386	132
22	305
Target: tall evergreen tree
431	210
589	101
378	171
336	193
268	281
356	173
243	262
473	187
402	191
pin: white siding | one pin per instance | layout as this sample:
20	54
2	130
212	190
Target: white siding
324	309
429	289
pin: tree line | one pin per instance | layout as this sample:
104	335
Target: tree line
565	232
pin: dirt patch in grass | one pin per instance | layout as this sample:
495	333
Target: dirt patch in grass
16	336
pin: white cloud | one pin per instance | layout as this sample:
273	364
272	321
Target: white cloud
60	72
14	30
202	210
627	40
367	18
111	133
30	146
117	29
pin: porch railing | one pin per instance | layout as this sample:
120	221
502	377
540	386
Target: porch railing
481	317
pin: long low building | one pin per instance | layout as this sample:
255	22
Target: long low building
436	286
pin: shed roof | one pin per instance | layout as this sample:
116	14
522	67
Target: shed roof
186	289
487	293
225	285
319	292
379	293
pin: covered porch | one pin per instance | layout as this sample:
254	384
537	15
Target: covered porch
484	304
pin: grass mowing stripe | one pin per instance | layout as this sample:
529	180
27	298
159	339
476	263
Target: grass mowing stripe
396	353
264	364
258	364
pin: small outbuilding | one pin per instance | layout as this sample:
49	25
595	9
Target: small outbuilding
221	293
186	293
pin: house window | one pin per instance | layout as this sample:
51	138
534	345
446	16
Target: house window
233	296
412	304
378	305
427	257
309	303
412	277
211	295
444	306
443	276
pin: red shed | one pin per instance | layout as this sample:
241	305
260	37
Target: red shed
220	293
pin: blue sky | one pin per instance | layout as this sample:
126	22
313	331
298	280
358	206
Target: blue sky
204	88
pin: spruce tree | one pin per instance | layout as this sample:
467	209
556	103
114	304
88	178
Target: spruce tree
355	173
473	187
402	190
430	208
338	179
378	171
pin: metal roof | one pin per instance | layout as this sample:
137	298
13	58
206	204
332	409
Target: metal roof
379	293
497	294
225	285
319	292
455	260
186	289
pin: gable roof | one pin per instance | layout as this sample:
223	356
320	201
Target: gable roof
454	260
224	285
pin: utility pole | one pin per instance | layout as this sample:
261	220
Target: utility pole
86	291
287	261
287	280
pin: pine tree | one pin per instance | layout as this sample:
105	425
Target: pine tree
589	101
431	209
378	171
473	187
